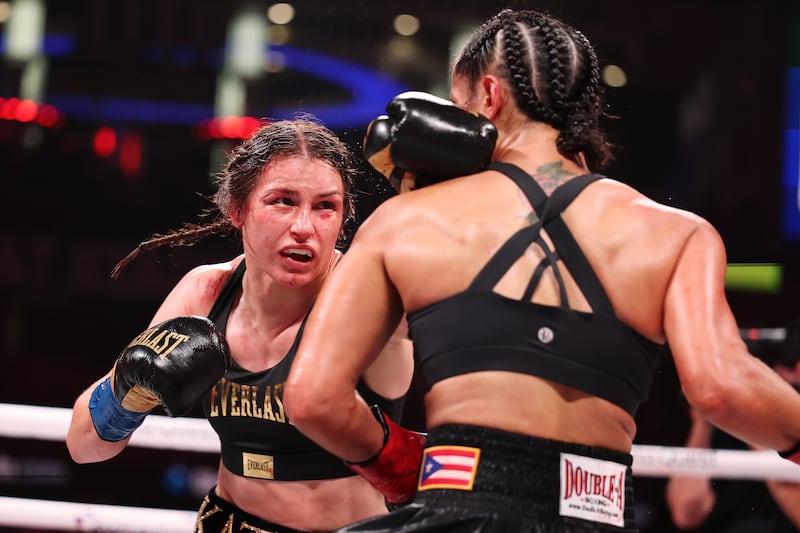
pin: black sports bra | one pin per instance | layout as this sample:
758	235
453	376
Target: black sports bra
479	330
246	410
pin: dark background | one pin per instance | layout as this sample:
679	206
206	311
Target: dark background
700	126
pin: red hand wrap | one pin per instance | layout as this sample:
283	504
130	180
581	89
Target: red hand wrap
395	469
792	455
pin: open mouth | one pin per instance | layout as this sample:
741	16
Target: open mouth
303	256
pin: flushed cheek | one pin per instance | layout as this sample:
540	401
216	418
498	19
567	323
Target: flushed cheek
262	240
329	226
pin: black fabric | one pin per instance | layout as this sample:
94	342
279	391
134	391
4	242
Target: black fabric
549	212
221	516
536	196
516	489
224	302
576	262
507	255
246	410
479	329
537	276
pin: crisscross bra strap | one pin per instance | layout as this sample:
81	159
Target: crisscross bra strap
549	211
514	247
536	196
568	248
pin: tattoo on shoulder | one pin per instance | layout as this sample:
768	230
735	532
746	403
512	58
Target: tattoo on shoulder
551	175
531	215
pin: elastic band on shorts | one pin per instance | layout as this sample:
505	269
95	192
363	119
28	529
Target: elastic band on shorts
519	474
217	515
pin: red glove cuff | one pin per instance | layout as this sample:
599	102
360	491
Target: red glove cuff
793	454
394	470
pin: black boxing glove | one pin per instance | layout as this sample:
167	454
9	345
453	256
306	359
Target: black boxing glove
429	139
395	468
171	364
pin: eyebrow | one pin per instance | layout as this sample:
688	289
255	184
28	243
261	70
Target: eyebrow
294	192
332	192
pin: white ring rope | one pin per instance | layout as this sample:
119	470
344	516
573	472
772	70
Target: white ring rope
48	514
157	431
196	435
769	335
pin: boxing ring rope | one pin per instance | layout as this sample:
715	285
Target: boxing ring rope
48	514
196	435
765	335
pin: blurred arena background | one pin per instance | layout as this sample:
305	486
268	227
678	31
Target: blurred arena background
116	114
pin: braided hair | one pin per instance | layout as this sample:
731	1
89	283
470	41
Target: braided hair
553	72
303	136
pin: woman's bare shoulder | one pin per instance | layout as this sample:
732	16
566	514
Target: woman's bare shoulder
212	271
392	216
199	287
639	201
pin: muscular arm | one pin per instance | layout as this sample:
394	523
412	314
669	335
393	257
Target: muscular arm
82	441
691	498
390	374
732	389
356	313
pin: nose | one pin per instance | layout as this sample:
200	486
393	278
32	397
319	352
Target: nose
302	226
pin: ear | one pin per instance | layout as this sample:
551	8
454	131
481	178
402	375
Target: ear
236	218
492	94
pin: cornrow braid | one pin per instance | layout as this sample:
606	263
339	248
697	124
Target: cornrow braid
521	83
188	235
557	52
584	134
553	73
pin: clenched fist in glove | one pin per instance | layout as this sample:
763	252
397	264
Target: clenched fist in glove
427	139
171	364
394	470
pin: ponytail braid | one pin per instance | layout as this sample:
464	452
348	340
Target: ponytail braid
187	235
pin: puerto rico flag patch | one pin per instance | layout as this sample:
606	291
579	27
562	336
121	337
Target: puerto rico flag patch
448	467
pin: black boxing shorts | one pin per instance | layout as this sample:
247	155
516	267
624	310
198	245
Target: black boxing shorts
476	479
221	516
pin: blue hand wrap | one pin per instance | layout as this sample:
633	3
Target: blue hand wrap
112	421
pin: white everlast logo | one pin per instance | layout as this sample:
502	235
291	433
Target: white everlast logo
592	489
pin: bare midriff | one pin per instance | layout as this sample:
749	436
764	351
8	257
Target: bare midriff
529	405
320	505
